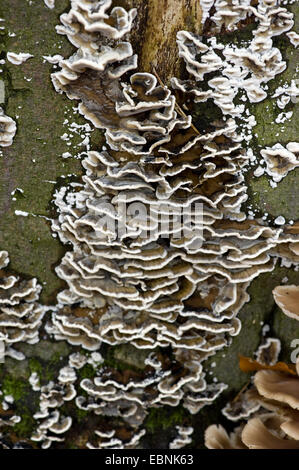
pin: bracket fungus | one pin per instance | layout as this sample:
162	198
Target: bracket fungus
161	252
286	94
18	58
168	288
294	38
183	438
228	14
235	69
270	406
20	313
50	3
287	298
268	351
51	424
7	129
116	439
275	420
281	160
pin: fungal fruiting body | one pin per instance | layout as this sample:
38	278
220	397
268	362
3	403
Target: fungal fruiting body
270	406
287	298
164	288
161	250
279	160
7	129
20	313
18	58
294	38
50	3
51	424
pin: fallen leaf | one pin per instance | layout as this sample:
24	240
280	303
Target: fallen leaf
247	364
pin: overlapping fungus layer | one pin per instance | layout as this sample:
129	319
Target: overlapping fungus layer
20	313
132	278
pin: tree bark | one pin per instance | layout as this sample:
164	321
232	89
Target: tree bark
33	167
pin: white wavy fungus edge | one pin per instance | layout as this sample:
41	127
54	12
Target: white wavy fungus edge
133	290
8	129
280	160
18	58
132	280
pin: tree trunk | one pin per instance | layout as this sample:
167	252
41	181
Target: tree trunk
33	167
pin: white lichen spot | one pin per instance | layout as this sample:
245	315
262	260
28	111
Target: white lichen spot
66	155
22	213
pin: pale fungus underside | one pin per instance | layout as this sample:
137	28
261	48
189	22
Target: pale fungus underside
267	410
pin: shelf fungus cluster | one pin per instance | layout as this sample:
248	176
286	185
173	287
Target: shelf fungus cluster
236	70
20	313
129	395
270	406
228	15
125	397
8	129
162	253
274	426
